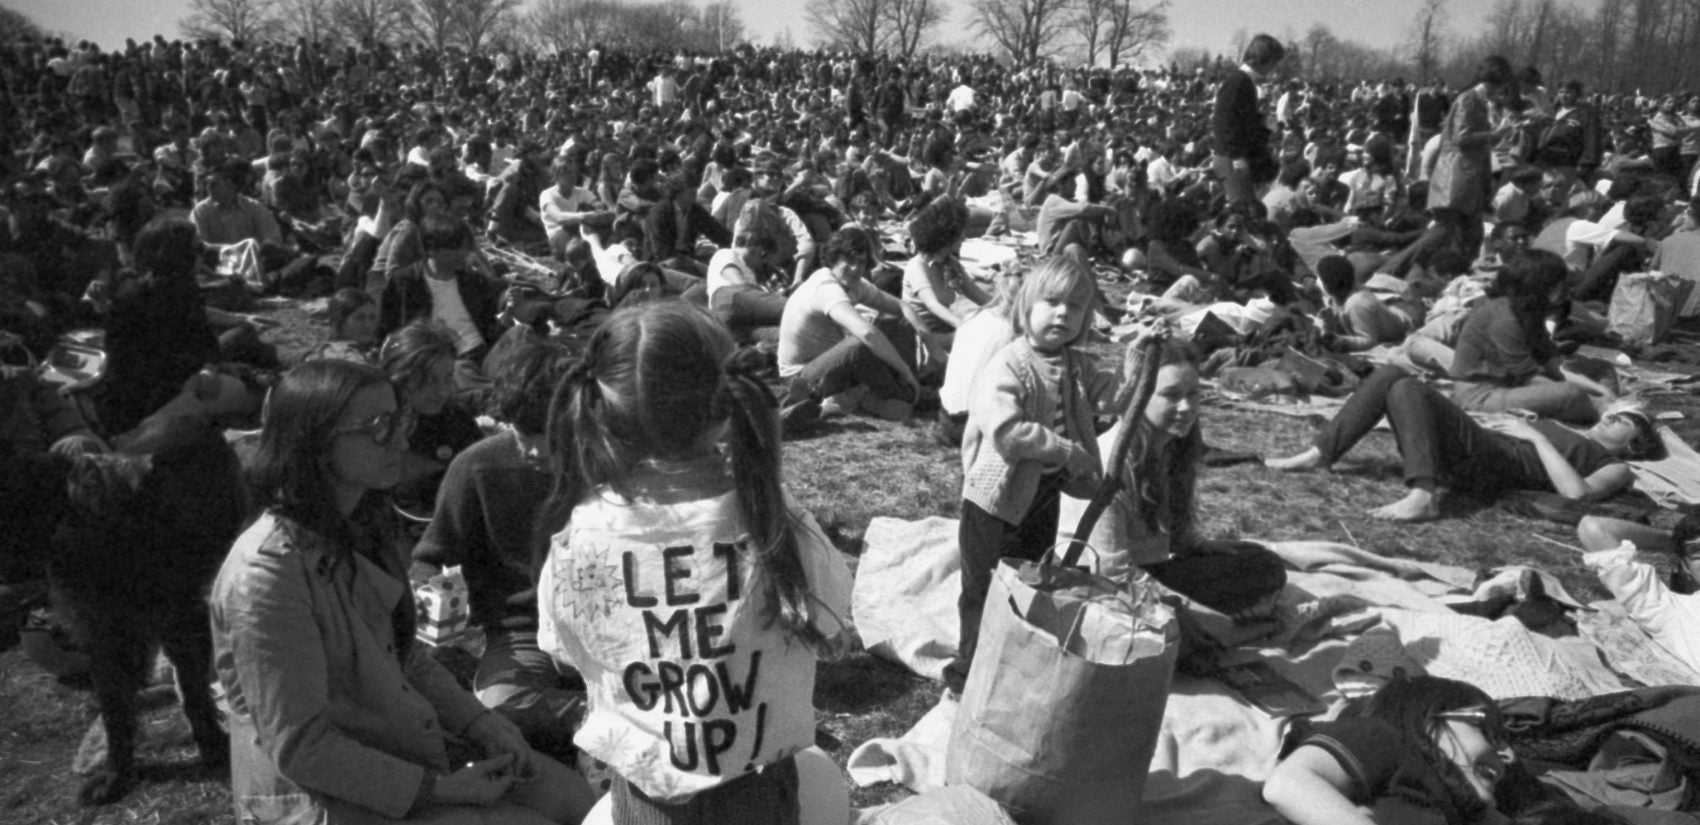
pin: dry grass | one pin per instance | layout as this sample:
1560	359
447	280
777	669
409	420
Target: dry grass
846	473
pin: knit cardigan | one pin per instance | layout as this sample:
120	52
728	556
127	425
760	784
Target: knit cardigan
1009	443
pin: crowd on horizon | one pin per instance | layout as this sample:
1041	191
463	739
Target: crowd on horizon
645	268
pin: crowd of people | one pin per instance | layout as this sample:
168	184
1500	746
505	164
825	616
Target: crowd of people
648	270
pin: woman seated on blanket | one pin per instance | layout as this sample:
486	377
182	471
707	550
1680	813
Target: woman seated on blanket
1441	446
1424	749
1506	359
1152	523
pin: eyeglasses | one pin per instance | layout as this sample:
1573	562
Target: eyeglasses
385	429
1490	768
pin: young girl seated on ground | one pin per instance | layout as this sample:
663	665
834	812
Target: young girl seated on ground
681	580
1152	523
1030	434
1441	446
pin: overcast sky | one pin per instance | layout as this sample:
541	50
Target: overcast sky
1209	24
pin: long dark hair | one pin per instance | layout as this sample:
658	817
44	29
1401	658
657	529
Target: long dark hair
288	470
1416	705
652	380
1527	282
1162	477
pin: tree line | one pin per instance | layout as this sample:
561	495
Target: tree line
1611	46
548	25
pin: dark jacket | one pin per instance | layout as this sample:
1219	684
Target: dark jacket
1571	140
661	238
406	298
1236	127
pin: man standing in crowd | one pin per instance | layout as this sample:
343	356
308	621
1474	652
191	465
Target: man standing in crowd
1237	129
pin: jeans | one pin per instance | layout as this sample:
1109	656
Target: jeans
518	680
1545	397
983	539
742	307
850	363
1438	441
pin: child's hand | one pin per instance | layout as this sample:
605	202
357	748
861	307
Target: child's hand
1081	464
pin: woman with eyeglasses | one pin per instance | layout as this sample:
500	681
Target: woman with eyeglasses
1422	749
336	714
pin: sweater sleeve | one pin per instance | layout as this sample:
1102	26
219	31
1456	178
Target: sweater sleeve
1000	401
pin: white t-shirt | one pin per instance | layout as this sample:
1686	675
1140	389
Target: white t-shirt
659	606
961	99
554	206
717	266
977	340
807	329
446	306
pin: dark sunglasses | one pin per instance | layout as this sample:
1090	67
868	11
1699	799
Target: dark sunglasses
385	429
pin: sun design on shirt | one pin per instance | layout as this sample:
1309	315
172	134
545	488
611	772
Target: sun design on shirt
596	585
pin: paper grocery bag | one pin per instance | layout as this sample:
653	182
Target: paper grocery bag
1064	704
1645	305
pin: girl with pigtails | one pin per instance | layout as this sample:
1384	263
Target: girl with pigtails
679	578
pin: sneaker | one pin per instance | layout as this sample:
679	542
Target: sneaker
845	402
797	418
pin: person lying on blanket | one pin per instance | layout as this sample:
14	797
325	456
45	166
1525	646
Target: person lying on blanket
1424	749
1442	447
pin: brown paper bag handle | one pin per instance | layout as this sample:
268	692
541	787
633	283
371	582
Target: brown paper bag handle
1147	350
1072	555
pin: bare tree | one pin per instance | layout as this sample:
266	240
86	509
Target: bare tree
857	25
722	25
1428	33
1089	19
15	24
1023	28
478	19
573	24
910	22
308	19
245	20
367	20
433	22
1135	30
1319	42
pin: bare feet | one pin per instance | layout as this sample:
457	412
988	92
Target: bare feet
1310	459
1417	505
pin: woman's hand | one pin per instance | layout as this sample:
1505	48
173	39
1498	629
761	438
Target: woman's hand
499	736
1521	428
479	783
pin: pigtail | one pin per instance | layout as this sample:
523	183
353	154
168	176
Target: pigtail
566	486
755	454
581	452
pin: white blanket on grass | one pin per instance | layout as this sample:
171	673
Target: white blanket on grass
1214	749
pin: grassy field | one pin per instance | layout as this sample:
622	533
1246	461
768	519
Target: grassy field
848	471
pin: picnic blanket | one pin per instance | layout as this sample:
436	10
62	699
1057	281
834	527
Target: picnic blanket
1215	749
